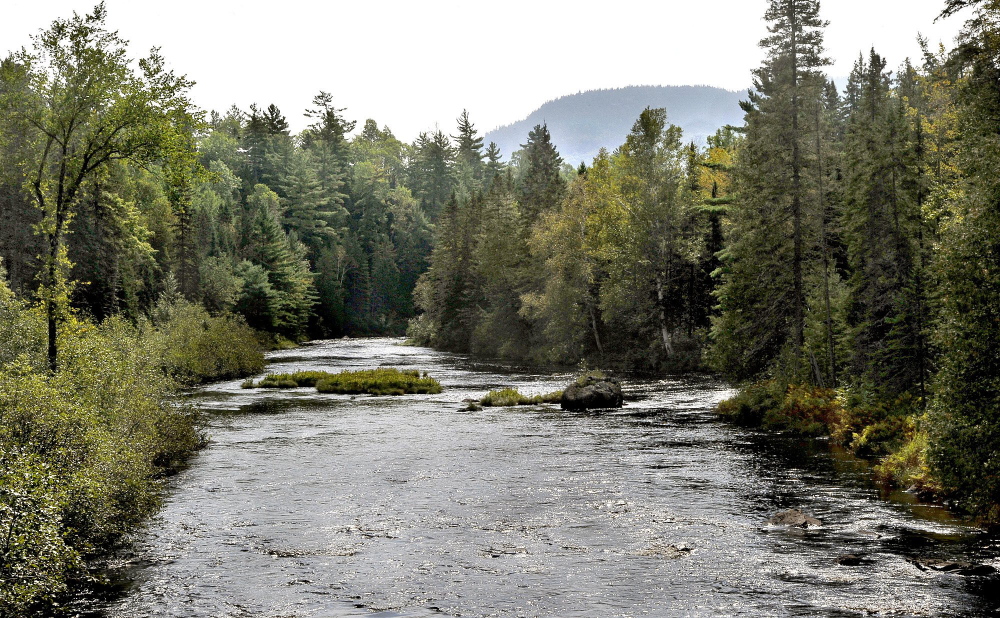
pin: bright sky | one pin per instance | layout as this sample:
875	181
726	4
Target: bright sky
415	64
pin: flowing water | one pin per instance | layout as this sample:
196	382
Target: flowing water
329	505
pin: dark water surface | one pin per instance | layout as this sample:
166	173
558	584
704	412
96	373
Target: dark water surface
327	505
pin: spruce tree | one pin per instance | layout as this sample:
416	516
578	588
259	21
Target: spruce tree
431	173
542	185
881	224
468	151
773	235
965	413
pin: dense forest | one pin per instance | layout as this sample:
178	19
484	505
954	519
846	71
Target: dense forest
837	256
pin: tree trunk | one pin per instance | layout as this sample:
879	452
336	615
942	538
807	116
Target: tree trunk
50	302
597	334
668	345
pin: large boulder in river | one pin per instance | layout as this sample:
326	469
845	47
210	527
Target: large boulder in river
796	518
591	392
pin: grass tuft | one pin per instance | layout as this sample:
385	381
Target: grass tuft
509	397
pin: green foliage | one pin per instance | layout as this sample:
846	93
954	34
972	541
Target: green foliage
34	557
964	418
81	105
382	381
872	426
908	466
293	380
750	404
801	409
510	397
198	348
776	217
81	451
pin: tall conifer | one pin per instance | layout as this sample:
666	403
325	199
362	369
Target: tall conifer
771	256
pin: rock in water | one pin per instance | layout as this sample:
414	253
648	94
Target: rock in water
853	559
592	392
952	566
794	517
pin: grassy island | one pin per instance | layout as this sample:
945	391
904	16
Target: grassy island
381	381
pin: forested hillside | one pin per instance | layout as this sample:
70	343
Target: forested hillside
585	122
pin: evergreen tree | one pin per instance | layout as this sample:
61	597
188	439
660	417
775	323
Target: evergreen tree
881	225
494	163
965	414
431	174
289	293
326	139
542	186
468	151
773	235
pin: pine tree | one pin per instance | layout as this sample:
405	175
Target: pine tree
769	261
881	224
965	413
431	173
326	139
468	151
494	163
306	206
542	185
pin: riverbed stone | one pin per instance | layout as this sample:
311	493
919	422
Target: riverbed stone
795	518
592	392
853	559
953	566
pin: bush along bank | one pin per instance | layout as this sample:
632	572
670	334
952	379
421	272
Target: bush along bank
84	448
890	434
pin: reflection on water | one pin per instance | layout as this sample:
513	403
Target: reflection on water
331	505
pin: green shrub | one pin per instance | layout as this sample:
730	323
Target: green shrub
872	427
81	454
750	404
382	381
802	409
199	348
510	397
908	466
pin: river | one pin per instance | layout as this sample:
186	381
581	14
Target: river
309	505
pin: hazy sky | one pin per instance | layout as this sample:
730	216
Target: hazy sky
416	64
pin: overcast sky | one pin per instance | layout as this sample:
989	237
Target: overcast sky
415	64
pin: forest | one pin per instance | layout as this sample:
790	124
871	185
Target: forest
837	257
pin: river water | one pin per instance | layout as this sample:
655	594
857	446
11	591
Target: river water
308	505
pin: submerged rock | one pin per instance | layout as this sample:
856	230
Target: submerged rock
952	566
592	392
658	550
853	559
796	518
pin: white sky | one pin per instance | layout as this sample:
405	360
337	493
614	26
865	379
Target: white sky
415	64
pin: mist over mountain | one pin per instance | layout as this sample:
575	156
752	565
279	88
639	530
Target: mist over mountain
581	124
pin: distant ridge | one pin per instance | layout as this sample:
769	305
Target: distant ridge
581	124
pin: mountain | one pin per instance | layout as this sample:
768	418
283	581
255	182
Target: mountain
583	123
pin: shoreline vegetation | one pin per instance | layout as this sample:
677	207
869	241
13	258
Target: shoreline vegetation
84	448
890	435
